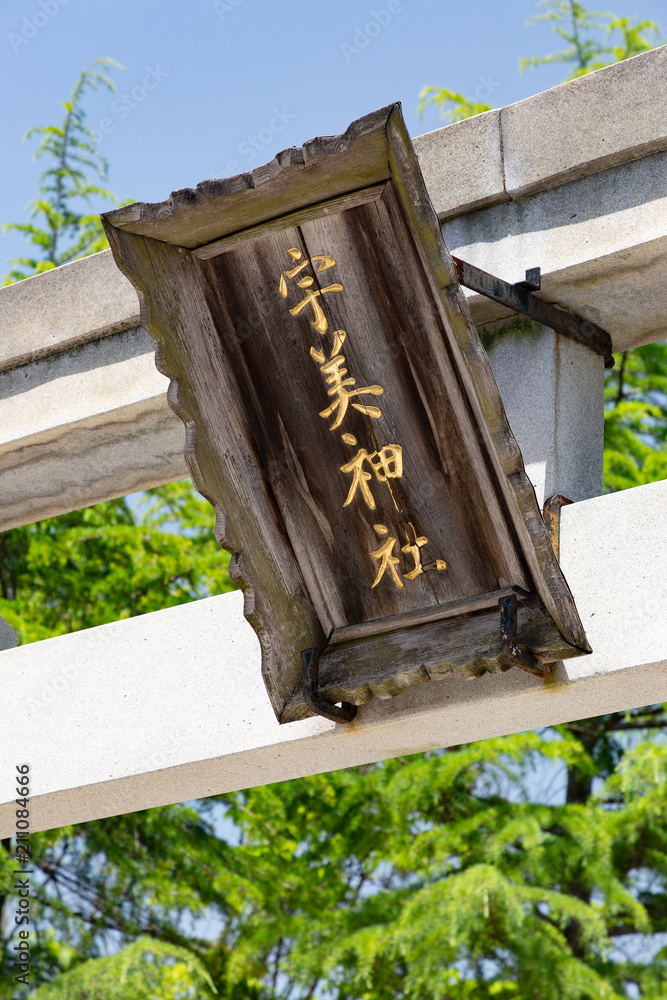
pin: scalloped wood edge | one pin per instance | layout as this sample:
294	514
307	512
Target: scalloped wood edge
373	149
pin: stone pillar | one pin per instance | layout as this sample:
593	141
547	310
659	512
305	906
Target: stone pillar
553	392
8	637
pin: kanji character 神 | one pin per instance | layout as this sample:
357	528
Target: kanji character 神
388	464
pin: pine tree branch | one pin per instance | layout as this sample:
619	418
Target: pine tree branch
575	34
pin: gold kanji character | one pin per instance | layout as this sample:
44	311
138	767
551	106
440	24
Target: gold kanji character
385	556
295	254
413	549
388	465
339	339
320	322
326	261
335	373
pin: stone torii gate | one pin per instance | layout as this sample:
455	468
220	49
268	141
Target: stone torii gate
157	709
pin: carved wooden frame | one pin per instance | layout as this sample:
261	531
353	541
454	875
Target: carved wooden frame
169	252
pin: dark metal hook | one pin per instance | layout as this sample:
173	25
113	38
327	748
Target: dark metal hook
508	627
312	696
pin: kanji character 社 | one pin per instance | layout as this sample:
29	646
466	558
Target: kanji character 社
385	556
414	549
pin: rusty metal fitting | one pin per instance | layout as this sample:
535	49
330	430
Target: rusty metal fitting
508	630
313	698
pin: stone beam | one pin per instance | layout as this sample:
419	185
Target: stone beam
59	309
600	241
185	713
604	119
573	180
84	425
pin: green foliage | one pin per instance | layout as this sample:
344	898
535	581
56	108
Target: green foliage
63	232
452	874
452	106
634	38
636	418
594	40
109	562
145	970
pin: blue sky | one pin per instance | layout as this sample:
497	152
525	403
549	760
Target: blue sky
219	86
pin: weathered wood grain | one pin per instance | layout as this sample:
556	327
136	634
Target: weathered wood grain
437	612
221	457
319	210
390	342
323	168
481	389
250	381
467	645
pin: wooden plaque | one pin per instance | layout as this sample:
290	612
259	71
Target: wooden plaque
343	420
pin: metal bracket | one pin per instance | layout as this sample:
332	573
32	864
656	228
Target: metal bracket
533	281
508	625
551	515
312	696
520	298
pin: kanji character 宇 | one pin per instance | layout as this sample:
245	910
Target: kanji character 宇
312	295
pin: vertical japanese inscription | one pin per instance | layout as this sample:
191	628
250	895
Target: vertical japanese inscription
364	467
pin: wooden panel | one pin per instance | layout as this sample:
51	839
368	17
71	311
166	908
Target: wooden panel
394	340
343	420
478	383
319	210
221	456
